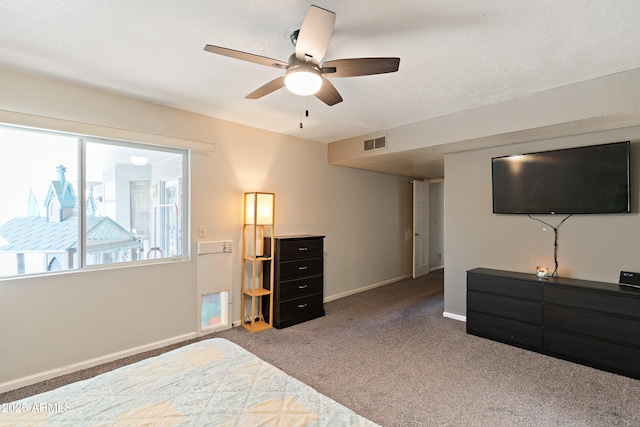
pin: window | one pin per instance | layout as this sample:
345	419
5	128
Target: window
126	200
214	310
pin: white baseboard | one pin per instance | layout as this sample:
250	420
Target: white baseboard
365	288
67	369
454	316
352	292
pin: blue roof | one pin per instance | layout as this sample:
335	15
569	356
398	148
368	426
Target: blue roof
35	234
62	190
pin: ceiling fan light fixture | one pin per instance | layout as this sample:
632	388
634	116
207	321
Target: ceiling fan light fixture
304	75
303	80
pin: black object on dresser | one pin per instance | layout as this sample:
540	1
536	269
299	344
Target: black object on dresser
298	281
592	323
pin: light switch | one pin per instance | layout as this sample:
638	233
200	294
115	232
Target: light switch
202	231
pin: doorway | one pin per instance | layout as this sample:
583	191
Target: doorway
428	226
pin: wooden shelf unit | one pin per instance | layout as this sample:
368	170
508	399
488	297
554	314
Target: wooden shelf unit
256	286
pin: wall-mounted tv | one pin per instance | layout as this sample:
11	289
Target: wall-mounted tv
583	180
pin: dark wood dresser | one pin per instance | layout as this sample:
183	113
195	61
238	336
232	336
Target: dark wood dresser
504	307
592	323
298	281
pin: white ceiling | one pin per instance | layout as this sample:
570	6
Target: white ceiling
455	54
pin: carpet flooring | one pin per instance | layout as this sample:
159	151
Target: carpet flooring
390	355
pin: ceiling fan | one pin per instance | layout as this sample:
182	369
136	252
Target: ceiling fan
304	74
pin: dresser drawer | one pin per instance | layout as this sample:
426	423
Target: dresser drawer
300	268
607	327
300	307
303	248
300	288
601	354
511	308
593	300
508	331
505	286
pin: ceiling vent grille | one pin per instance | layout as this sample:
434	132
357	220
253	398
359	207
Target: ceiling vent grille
377	143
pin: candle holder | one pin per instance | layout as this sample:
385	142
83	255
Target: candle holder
542	272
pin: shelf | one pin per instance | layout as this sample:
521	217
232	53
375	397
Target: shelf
257	326
258	258
258	292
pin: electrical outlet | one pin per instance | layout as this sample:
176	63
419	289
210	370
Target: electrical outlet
227	246
202	231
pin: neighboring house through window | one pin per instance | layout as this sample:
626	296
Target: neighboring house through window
122	216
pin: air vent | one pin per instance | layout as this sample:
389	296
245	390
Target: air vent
377	143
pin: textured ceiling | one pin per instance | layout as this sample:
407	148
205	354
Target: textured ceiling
455	54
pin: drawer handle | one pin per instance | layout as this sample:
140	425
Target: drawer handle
302	286
302	249
302	305
304	267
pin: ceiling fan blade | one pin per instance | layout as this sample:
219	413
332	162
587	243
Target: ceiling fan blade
360	67
315	33
272	86
244	56
328	93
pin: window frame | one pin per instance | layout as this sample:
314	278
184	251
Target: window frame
81	204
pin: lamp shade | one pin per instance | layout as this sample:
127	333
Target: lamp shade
258	208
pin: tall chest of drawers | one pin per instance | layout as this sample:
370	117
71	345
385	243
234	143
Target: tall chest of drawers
298	281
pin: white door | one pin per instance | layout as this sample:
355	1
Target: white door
420	228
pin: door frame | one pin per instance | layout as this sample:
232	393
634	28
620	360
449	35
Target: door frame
420	238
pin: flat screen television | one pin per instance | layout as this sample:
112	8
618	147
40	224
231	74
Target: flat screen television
583	180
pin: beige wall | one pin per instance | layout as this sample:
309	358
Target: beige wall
53	324
590	247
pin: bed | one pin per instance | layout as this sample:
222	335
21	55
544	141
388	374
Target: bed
209	383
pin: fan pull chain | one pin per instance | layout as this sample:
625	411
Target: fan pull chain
306	113
300	113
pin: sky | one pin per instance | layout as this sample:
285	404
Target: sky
29	162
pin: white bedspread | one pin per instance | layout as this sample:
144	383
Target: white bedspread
210	383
